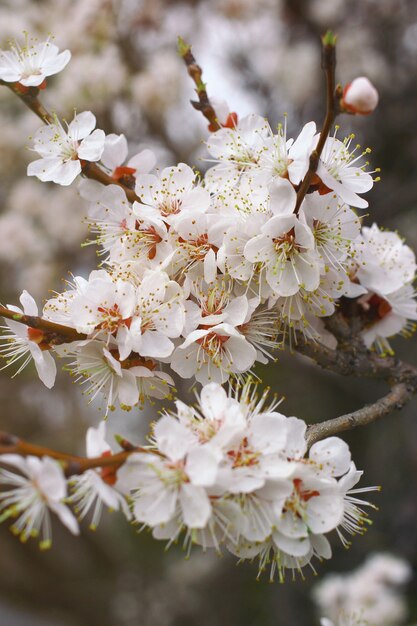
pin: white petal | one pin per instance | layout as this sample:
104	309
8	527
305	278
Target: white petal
333	453
127	389
290	545
66	517
82	125
213	399
155	344
268	433
28	303
143	162
56	64
173	438
95	441
91	148
325	512
156	508
195	506
115	151
201	466
46	367
283	197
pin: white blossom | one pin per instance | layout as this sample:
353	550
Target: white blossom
23	342
31	63
340	170
62	151
285	248
38	487
96	487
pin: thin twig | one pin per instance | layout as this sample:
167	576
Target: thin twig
72	464
399	395
195	72
58	333
329	67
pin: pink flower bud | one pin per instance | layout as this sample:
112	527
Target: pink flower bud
360	96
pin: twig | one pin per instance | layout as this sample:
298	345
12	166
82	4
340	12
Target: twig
72	464
329	67
58	333
195	72
351	358
399	395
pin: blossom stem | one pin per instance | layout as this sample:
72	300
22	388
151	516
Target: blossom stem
195	72
90	170
332	97
30	98
56	333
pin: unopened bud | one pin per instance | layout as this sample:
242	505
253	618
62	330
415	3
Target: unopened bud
360	96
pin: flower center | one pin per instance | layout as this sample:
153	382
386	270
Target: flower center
170	207
112	319
286	244
244	456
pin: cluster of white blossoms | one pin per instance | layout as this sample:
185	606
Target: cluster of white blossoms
232	474
201	278
372	595
204	278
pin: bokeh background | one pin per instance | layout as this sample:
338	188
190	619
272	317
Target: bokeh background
262	56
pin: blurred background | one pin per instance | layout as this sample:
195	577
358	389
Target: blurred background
261	56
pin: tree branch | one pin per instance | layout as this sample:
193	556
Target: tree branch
55	333
329	67
352	358
399	395
72	464
195	72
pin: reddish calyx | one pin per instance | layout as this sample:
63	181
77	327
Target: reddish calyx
23	89
38	336
125	175
378	307
318	185
108	472
231	122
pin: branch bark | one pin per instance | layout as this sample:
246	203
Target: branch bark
351	358
72	464
399	395
55	333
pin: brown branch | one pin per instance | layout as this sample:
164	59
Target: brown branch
72	464
329	67
352	358
30	99
399	395
89	170
195	72
55	333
